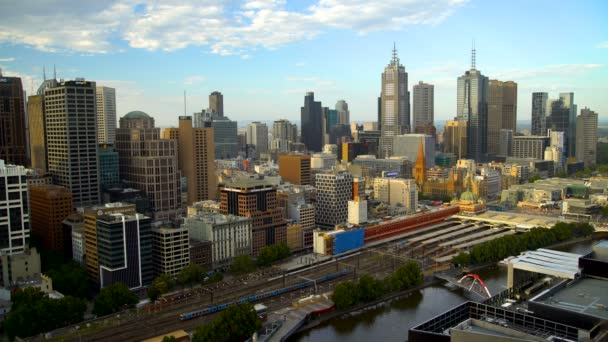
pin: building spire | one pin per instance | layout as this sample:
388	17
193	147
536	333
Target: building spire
54	72
395	58
43	73
473	57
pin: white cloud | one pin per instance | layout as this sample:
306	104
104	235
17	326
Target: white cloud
91	27
602	45
10	59
194	79
547	71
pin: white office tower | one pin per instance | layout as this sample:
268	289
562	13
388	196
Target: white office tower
357	211
14	216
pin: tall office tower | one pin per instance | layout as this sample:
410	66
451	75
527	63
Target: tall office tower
562	118
37	131
216	103
284	134
106	115
170	252
311	119
257	134
13	143
530	146
539	113
407	145
343	112
49	206
149	164
586	137
295	168
424	105
455	138
109	170
506	142
71	139
224	137
472	107
255	198
334	190
197	160
502	111
395	105
14	216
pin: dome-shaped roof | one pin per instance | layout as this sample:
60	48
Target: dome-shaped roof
468	196
136	114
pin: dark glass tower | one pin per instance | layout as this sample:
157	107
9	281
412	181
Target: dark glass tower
312	123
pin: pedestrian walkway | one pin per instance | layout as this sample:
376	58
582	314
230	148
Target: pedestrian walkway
293	318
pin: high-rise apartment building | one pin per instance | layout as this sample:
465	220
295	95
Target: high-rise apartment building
586	137
71	139
311	119
455	138
196	160
334	190
539	113
343	112
14	216
13	143
106	115
395	105
530	146
49	206
284	134
150	164
502	111
170	250
472	107
257	134
424	105
216	103
295	168
255	198
397	192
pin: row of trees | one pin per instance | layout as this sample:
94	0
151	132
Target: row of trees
33	312
348	293
187	276
505	246
244	263
114	298
236	323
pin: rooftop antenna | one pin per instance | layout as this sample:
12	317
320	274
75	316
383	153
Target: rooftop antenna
395	58
473	56
185	103
54	72
44	73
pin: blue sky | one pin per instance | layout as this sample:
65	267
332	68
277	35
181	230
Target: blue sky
264	55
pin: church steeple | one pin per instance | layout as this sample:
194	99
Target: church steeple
420	167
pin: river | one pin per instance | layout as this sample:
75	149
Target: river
392	321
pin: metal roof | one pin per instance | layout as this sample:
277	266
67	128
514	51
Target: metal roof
548	261
439	232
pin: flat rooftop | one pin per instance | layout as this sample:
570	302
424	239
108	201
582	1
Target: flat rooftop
548	261
587	295
515	220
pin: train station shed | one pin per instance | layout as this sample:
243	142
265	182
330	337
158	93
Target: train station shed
545	261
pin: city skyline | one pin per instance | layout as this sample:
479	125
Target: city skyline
272	49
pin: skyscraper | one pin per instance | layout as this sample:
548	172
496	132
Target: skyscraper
37	131
343	112
502	111
216	103
395	104
13	144
586	137
257	134
284	133
561	117
71	136
14	216
472	107
149	164
334	190
539	113
455	138
424	105
106	115
311	118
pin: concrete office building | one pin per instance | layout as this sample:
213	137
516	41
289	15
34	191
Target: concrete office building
334	190
106	115
170	250
37	132
13	143
455	138
586	137
295	168
255	198
472	107
539	113
373	167
150	164
407	145
397	192
71	139
78	246
257	134
109	170
502	111
216	103
343	112
50	205
230	235
196	160
311	119
394	105
284	134
304	215
529	146
424	105
14	215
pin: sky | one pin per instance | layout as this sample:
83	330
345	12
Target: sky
264	55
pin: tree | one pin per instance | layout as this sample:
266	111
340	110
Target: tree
70	279
190	274
369	288
533	178
236	323
461	259
270	254
114	298
169	339
345	295
242	264
605	211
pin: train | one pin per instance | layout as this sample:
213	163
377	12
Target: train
254	298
